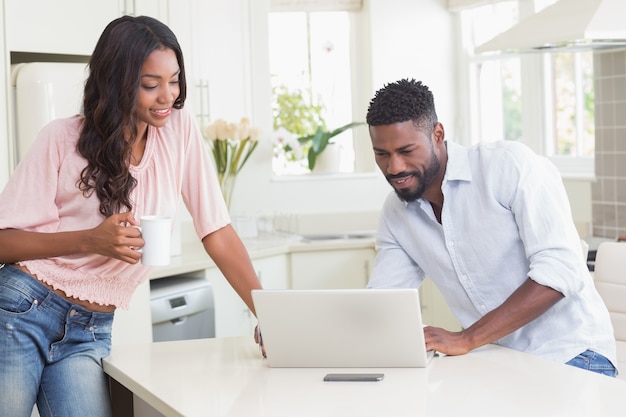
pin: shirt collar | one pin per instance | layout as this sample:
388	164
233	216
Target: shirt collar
458	166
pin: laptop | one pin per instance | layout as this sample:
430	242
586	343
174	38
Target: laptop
342	328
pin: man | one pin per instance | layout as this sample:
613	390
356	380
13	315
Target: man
491	226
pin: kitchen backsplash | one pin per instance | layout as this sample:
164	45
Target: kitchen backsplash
326	223
608	192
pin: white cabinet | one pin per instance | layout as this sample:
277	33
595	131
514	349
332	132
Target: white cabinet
273	271
435	311
232	316
70	27
336	268
57	27
135	324
158	9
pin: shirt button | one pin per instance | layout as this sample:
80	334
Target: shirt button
451	243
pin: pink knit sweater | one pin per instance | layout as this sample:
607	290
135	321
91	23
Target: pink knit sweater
42	196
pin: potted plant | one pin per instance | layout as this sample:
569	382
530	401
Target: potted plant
302	118
318	141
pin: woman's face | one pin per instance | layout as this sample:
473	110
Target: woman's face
158	90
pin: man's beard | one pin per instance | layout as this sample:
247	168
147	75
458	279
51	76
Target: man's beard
423	180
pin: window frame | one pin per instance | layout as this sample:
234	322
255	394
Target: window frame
537	123
361	80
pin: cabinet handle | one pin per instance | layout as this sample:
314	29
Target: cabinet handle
130	8
203	115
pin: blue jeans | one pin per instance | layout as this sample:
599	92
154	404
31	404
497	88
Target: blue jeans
50	352
594	362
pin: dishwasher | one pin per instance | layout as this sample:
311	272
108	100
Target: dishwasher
182	307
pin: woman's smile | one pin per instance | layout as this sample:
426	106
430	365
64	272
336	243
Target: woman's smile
161	113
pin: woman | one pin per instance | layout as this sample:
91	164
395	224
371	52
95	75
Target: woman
68	215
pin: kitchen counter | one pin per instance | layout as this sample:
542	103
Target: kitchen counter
194	258
228	377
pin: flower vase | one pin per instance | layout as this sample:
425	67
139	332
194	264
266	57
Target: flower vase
227	183
329	161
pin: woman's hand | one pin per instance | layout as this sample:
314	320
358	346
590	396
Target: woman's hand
259	340
117	237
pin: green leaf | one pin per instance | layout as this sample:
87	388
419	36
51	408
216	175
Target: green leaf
320	140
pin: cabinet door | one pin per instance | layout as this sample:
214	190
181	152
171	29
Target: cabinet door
57	27
135	324
343	268
159	9
273	272
232	316
435	311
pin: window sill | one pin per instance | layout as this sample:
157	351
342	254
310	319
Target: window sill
575	168
578	176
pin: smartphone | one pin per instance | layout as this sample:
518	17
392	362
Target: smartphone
354	377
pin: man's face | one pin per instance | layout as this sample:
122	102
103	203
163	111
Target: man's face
407	156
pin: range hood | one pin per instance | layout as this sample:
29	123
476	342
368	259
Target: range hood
566	25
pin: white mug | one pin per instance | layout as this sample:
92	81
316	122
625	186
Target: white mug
156	231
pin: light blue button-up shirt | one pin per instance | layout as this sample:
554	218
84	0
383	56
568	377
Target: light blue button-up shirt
505	218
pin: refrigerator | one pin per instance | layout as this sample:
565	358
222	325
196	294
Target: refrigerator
43	91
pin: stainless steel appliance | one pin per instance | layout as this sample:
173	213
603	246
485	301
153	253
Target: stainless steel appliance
182	307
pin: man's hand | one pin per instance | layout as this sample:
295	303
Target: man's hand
444	341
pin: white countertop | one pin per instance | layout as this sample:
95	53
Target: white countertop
194	258
228	377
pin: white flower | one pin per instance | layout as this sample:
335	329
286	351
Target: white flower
243	130
221	129
209	132
231	144
282	137
288	144
254	134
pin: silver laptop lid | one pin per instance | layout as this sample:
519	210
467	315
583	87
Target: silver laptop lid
341	328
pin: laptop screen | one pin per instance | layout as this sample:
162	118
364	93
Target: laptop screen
341	327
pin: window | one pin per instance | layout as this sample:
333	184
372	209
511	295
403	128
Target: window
571	86
544	100
310	65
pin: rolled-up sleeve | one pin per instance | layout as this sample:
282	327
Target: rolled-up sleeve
543	215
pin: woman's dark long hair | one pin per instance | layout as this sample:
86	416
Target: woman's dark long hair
110	126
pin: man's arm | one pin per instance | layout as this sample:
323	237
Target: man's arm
527	303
